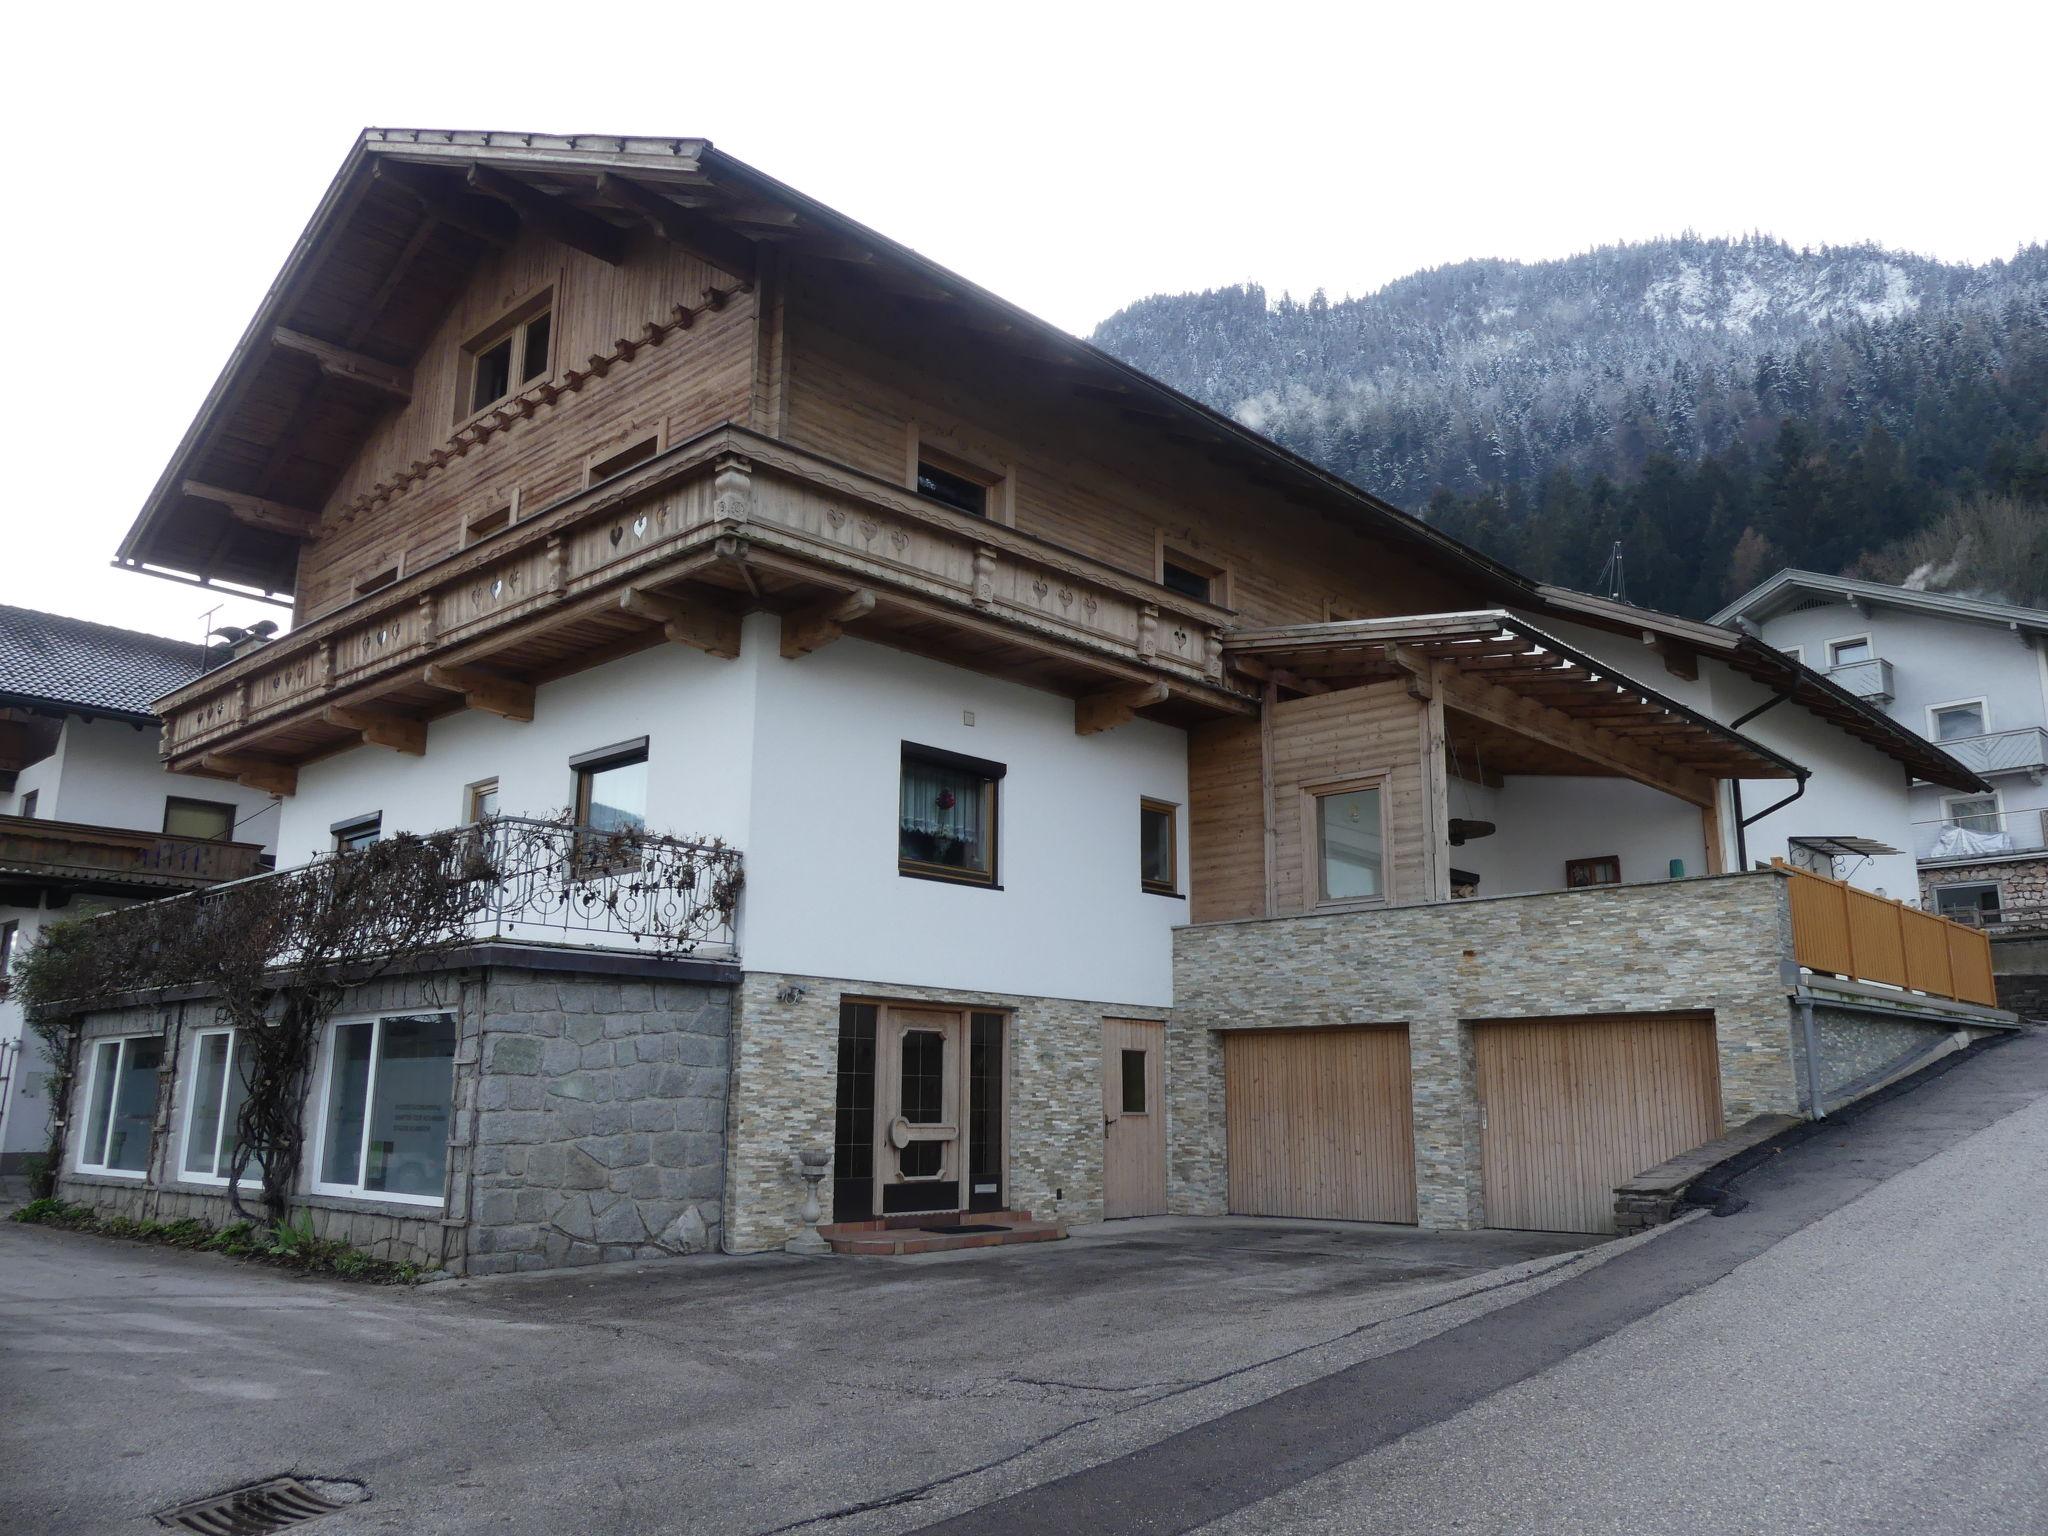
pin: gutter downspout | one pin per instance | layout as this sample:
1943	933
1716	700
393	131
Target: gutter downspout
1735	785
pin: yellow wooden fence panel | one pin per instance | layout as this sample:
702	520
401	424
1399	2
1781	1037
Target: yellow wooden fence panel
1845	931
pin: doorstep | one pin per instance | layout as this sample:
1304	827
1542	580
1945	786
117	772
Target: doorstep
926	1232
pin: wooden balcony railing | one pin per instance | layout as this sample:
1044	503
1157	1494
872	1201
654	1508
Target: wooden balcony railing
1844	931
32	849
744	518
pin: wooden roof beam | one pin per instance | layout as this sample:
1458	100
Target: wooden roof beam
492	692
1554	728
812	629
258	512
377	729
554	217
447	203
690	233
253	772
1113	707
349	366
710	630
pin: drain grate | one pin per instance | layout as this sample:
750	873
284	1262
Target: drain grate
260	1508
970	1226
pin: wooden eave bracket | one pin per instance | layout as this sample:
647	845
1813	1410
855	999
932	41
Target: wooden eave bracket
253	772
258	512
1417	672
812	629
1113	707
446	204
492	692
380	730
552	216
688	232
709	630
348	366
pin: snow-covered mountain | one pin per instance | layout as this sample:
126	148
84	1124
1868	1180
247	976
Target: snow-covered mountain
1491	374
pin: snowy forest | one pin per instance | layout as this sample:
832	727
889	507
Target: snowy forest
1720	407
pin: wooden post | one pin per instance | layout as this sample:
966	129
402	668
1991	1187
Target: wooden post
1272	698
1436	793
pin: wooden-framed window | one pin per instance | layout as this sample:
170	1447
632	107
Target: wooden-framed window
1159	847
611	787
1954	722
1182	570
211	819
479	801
946	816
954	482
1601	869
1345	832
1132	1075
358	832
617	458
218	1088
1849	650
386	1097
120	1105
507	356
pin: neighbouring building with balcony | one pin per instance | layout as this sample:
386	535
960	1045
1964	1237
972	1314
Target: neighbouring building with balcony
89	818
1133	816
1967	673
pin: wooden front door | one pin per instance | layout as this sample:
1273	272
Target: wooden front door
1318	1122
1133	1118
1572	1107
920	1110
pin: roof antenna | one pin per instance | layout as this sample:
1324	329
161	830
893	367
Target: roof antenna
1613	577
206	639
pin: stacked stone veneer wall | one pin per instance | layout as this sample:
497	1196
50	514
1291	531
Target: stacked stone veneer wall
2022	883
1717	944
587	1125
787	1055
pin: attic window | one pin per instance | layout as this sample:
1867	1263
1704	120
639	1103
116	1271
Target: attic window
624	459
508	356
376	581
954	484
1183	573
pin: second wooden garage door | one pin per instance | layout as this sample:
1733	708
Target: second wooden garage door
1318	1123
1573	1107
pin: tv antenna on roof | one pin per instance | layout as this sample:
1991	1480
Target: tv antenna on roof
1612	575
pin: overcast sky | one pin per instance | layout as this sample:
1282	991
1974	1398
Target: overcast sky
1072	158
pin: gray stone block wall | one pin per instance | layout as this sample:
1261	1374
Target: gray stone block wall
787	1056
1858	1049
1715	944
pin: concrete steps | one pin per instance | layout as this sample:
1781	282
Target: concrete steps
898	1235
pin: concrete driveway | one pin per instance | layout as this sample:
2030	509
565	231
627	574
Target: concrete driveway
708	1395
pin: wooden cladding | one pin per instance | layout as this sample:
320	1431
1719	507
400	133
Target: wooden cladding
33	848
1570	1108
1353	734
1844	931
1317	1123
727	498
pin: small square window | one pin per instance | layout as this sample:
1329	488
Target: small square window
357	833
120	1105
1953	722
1975	813
1134	1097
611	788
1846	653
209	819
1158	847
1973	904
480	801
1191	576
511	354
946	816
1351	845
27	808
956	487
1602	870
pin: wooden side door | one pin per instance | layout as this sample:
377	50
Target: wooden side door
920	1110
1133	1118
1319	1123
1572	1107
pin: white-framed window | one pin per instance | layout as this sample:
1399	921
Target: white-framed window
120	1105
1953	722
1796	652
1344	828
386	1098
219	1086
1849	650
1976	813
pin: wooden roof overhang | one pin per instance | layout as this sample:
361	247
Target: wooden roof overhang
677	550
409	215
1542	705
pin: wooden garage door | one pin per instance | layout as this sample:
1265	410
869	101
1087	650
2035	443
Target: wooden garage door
1573	1107
1318	1123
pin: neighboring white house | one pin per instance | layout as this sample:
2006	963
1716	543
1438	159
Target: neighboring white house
1968	674
88	816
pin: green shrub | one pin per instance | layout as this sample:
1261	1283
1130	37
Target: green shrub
289	1244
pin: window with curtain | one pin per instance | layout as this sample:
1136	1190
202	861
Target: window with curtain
946	816
211	819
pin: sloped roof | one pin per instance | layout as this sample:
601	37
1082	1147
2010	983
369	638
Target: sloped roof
1789	586
50	661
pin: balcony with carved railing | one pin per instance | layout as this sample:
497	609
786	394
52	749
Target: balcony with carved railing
59	856
1870	679
678	548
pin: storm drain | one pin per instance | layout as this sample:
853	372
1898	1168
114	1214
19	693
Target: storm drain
259	1508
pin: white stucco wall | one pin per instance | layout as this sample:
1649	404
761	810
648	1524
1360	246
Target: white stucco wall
1544	821
797	764
106	773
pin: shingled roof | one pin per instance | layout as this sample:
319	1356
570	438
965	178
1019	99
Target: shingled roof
49	661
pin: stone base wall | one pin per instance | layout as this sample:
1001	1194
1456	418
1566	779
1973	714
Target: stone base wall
787	1055
2022	883
587	1122
1860	1051
1715	944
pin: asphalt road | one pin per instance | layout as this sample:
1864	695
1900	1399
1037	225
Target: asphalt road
1858	1349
